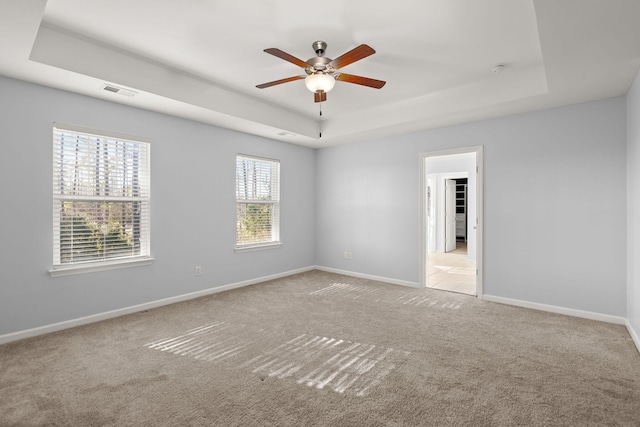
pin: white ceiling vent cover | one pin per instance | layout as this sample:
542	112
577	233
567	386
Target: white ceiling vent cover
119	90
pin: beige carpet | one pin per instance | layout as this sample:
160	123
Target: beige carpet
319	349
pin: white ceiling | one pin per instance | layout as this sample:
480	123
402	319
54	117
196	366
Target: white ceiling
201	59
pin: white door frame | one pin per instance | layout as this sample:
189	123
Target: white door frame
479	212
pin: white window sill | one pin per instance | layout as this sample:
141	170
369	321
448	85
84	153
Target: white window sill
257	247
98	266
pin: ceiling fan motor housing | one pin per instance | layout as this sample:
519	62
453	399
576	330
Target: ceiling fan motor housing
318	63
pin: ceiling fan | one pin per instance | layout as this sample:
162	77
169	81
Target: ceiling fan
322	72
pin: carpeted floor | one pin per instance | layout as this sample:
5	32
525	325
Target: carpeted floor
320	349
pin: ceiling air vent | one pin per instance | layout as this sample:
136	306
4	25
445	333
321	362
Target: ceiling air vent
118	90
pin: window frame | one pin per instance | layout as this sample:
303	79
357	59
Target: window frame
274	202
143	199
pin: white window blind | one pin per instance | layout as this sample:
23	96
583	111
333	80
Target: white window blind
258	201
101	198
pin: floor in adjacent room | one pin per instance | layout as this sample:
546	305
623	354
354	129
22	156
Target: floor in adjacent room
452	271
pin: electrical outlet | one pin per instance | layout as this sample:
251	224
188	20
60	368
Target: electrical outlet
198	270
348	255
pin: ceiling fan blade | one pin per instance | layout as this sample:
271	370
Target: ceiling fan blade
364	81
352	56
319	96
278	82
284	55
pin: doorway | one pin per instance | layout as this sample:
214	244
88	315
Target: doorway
451	220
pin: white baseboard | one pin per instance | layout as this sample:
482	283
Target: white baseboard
634	335
41	330
369	277
556	309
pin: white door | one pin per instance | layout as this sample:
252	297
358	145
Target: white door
450	215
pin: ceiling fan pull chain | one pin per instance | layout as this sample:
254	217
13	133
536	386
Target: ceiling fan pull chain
320	122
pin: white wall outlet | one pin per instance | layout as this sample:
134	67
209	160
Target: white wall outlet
348	255
198	270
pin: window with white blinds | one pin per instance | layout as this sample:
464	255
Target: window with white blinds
257	201
100	198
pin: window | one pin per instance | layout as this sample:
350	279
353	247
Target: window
257	202
100	200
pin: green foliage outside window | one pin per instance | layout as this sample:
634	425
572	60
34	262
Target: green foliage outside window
254	222
96	231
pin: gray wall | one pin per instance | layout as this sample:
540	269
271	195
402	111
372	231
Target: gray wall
633	206
192	211
554	205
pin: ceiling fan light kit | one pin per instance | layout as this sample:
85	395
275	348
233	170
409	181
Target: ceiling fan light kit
323	72
319	81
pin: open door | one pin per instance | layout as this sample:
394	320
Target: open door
439	171
450	215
